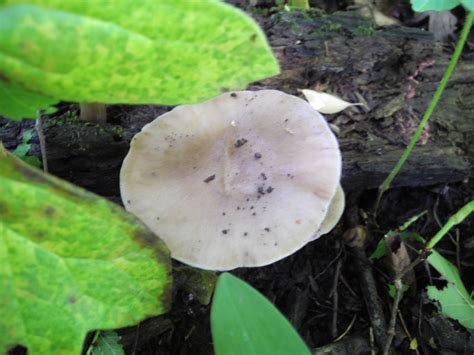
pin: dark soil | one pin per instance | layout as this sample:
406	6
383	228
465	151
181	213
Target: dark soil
321	280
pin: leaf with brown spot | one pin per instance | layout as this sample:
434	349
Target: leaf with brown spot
71	262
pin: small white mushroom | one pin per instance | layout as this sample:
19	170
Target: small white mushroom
226	186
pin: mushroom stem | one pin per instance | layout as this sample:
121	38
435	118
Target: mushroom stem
93	112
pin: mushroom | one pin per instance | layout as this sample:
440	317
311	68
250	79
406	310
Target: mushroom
335	210
243	179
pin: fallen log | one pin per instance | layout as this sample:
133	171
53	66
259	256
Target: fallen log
393	71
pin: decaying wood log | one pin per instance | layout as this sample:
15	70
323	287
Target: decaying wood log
393	70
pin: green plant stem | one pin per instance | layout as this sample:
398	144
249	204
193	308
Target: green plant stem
439	91
393	317
456	218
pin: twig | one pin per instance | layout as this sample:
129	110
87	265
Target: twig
356	238
428	273
393	317
42	141
135	343
420	316
335	299
372	301
348	329
352	344
405	329
349	288
371	339
330	263
421	257
438	221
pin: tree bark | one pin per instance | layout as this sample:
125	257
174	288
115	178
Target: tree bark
395	71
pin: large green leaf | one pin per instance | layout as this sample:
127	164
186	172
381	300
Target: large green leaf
245	322
436	5
454	299
130	51
71	262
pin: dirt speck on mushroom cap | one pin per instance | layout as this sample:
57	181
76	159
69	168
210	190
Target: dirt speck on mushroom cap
294	178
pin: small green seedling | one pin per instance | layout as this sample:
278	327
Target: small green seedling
106	343
245	322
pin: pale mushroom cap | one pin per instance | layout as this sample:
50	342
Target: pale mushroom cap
334	214
244	179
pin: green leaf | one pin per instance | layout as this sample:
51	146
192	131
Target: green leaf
245	322
145	51
22	150
454	299
71	262
17	103
392	290
107	343
27	135
468	4
436	5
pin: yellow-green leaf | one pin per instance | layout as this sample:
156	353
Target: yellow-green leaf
124	51
71	262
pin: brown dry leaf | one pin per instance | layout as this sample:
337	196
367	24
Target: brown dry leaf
398	258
